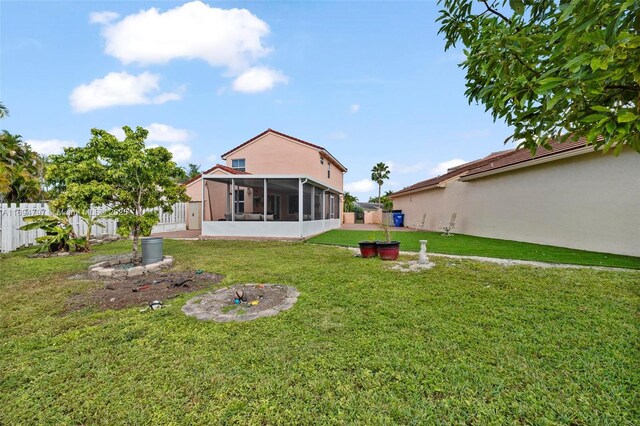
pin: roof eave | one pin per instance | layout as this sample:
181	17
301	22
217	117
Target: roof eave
529	162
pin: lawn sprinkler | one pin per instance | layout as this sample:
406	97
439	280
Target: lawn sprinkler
156	304
240	295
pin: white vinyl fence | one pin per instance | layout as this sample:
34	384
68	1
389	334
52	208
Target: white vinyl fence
12	238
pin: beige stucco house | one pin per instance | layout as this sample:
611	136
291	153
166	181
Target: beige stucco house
569	196
273	185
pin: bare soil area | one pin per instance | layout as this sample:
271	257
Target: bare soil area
140	291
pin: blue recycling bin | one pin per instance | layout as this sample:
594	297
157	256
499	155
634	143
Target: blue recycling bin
398	220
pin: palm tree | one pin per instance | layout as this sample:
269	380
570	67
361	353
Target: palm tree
380	173
4	112
20	170
349	201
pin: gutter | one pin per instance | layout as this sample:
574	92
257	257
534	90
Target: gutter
413	191
530	162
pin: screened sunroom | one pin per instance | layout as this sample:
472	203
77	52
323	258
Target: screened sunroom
275	206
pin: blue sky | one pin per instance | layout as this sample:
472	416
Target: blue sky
369	81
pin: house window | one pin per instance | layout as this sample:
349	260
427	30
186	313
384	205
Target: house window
293	203
321	160
239	199
238	164
328	174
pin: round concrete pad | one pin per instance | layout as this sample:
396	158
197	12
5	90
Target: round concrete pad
219	305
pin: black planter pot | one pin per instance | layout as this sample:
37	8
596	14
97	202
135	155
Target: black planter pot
368	248
388	250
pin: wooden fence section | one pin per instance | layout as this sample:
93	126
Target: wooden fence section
12	238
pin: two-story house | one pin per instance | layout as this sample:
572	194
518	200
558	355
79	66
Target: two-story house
273	185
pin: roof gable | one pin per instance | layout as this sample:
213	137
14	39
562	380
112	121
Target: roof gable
290	138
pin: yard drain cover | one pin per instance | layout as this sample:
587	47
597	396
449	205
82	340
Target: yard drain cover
259	300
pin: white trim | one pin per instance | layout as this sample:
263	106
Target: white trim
271	229
531	162
264	176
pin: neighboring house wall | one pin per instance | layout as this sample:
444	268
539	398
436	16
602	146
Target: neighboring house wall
589	202
214	191
275	154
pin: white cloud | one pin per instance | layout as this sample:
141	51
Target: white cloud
354	108
361	186
164	135
181	152
230	38
119	88
258	79
49	146
159	133
103	17
442	168
405	169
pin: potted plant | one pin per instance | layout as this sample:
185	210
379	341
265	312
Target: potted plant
368	248
388	250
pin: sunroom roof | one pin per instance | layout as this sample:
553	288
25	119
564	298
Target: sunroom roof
246	180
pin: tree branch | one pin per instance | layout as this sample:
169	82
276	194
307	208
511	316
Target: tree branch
623	87
495	12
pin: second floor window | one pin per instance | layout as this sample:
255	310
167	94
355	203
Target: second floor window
238	164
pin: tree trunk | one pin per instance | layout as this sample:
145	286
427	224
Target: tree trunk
136	237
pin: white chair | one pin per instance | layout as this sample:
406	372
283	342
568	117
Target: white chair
447	228
421	225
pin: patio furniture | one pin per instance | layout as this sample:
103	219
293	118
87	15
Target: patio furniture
421	224
447	228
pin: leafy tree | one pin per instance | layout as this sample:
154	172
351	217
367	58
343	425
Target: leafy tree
385	200
192	171
124	175
552	69
21	170
380	173
349	202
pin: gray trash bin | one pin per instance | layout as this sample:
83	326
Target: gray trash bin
151	250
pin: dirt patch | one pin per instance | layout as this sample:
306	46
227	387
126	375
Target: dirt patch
140	291
242	302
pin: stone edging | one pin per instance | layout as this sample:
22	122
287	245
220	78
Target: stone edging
192	307
107	269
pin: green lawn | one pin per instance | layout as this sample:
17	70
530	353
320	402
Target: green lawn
464	343
477	246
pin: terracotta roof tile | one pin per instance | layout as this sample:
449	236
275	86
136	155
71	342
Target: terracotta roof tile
524	155
495	161
453	172
216	167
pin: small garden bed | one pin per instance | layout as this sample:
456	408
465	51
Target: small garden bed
142	290
242	302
